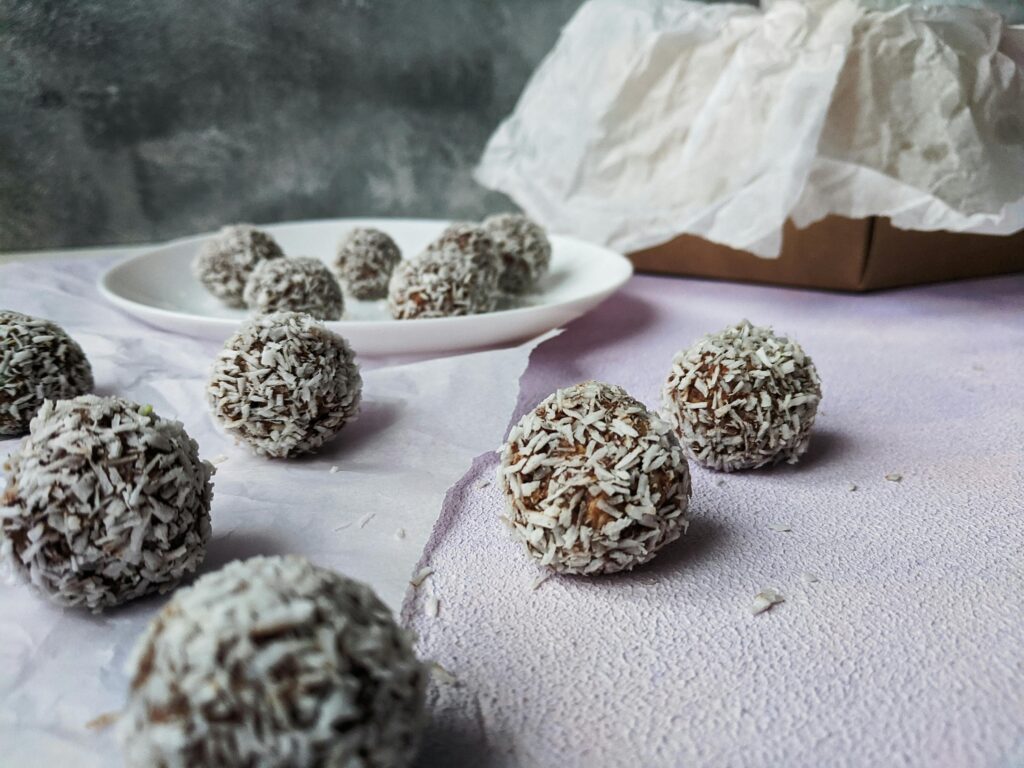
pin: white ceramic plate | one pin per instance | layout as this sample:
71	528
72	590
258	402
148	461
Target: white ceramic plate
158	288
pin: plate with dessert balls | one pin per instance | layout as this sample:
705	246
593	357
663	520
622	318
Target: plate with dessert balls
389	286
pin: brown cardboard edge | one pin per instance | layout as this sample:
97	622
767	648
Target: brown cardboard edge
829	254
844	254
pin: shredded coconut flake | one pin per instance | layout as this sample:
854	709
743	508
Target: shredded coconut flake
539	579
422	575
431	606
442	675
894	477
764	600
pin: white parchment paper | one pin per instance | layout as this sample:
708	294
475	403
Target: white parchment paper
653	118
420	427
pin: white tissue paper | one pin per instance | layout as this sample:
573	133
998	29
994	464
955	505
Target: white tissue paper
364	505
655	118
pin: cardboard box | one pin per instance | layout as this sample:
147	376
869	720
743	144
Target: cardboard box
844	254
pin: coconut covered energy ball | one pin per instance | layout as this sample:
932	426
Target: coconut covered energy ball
105	502
284	384
470	241
38	361
742	398
523	248
224	262
276	663
366	258
301	284
457	274
433	285
594	482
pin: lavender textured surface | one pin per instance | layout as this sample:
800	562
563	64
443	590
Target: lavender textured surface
905	651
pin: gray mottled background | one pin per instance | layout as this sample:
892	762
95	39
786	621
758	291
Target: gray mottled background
140	120
127	120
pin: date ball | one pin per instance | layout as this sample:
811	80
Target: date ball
225	261
524	250
301	284
284	384
274	662
38	361
742	398
457	274
366	258
105	502
594	483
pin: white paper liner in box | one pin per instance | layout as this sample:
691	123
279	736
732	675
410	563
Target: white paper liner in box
663	117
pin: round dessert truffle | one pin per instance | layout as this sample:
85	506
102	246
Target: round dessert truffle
524	250
105	502
301	284
594	482
276	663
457	274
284	384
470	241
742	398
38	361
224	262
366	258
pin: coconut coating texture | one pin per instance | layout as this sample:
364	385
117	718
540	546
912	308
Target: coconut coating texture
742	398
38	361
284	384
105	502
470	241
594	482
224	262
276	663
366	258
524	250
300	284
457	274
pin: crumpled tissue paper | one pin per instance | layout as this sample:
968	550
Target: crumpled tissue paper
657	118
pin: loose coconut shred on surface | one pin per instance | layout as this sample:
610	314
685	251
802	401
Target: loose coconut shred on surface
276	663
284	384
38	361
743	398
594	482
105	502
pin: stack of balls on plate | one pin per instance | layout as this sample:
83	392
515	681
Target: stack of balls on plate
464	271
277	662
